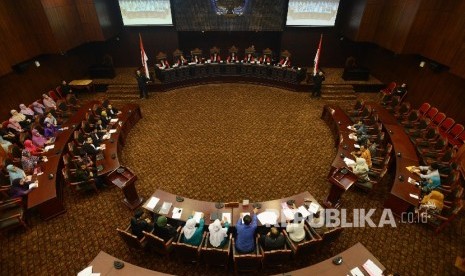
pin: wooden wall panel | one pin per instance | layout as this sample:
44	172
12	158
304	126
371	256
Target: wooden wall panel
90	25
350	17
109	17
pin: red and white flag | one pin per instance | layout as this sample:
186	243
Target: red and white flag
317	56
143	57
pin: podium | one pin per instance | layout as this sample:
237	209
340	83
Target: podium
341	180
124	179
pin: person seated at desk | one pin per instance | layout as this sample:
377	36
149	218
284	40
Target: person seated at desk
28	161
29	146
38	139
89	147
232	58
197	59
249	58
400	91
138	224
430	176
15	173
5	144
38	108
431	205
163	64
215	58
296	229
265	59
112	112
245	238
50	130
181	61
164	230
105	118
7	135
22	186
51	119
14	126
100	127
20	118
193	235
359	128
360	169
218	234
26	111
274	240
363	153
96	137
285	62
49	103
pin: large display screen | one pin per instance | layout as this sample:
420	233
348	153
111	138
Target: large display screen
229	15
312	12
145	12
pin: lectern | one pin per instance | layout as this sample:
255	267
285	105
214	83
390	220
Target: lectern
341	180
124	179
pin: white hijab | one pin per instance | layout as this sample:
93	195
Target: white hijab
217	233
189	228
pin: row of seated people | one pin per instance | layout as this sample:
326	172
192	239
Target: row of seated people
439	175
197	57
81	171
25	139
244	239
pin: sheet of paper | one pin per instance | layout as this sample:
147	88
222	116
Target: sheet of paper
372	268
177	212
353	136
356	146
414	196
267	217
356	272
165	208
412	181
85	272
197	216
226	216
49	147
305	213
348	161
33	185
313	208
112	130
289	214
114	120
350	128
152	202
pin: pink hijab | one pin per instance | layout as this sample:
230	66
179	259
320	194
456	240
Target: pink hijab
13	124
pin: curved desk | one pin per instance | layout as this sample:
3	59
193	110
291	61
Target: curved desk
209	208
288	78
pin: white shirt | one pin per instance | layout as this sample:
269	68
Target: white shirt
296	231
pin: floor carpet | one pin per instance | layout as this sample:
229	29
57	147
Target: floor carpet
223	143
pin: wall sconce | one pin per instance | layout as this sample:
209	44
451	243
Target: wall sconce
37	63
422	64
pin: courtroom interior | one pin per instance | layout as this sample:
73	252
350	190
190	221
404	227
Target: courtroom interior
232	137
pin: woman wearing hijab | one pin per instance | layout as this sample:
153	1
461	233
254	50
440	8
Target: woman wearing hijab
361	171
49	103
14	126
28	161
20	118
29	146
218	234
5	144
296	229
39	140
431	205
49	130
20	187
50	119
39	108
26	111
193	235
15	173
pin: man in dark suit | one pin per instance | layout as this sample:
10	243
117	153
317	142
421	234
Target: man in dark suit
274	240
142	83
164	230
138	224
90	148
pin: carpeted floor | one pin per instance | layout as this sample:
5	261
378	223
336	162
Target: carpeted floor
223	142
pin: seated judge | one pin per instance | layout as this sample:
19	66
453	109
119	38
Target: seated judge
265	59
215	58
285	62
163	64
181	60
274	240
232	58
249	58
197	59
138	224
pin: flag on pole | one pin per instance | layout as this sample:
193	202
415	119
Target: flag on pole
143	57
317	56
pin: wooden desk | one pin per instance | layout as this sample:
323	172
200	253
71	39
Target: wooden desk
103	264
83	84
130	115
353	257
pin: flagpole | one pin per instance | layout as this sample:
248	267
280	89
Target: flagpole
143	57
317	56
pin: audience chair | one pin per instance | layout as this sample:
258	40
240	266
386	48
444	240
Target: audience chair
389	88
12	214
331	234
402	111
443	158
186	252
393	104
429	136
5	190
439	118
359	104
131	240
312	240
213	256
53	95
419	129
78	186
431	113
158	245
433	148
454	133
249	262
423	109
459	140
448	214
411	119
275	258
364	114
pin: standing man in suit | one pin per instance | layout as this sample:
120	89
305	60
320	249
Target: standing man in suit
318	79
142	83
